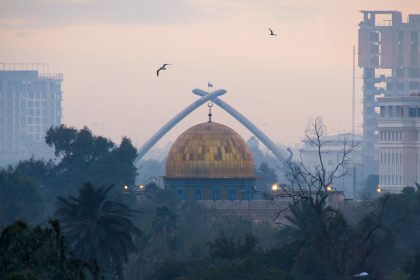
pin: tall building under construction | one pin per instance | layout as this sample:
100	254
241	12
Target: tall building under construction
30	103
389	56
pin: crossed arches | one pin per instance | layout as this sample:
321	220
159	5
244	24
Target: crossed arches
214	97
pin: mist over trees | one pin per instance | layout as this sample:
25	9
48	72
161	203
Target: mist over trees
70	218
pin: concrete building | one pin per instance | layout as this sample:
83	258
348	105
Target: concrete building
389	55
399	142
30	103
331	151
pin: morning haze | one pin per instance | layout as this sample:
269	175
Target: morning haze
209	139
109	51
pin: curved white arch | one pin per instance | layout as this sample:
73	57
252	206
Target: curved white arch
248	124
205	96
170	124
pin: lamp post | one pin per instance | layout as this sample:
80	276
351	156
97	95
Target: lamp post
275	188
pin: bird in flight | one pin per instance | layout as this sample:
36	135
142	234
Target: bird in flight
271	32
163	67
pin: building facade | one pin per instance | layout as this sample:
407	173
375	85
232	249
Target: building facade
331	152
389	55
210	161
399	142
30	103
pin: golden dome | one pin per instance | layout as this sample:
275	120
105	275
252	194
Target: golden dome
210	150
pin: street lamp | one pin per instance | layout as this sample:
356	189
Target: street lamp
329	188
141	187
275	187
379	189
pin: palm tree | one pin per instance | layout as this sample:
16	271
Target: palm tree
98	228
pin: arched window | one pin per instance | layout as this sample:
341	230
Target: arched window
180	194
198	195
232	195
248	195
216	195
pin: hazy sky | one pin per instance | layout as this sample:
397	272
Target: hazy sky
109	51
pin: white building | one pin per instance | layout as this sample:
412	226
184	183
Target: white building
399	142
331	151
30	103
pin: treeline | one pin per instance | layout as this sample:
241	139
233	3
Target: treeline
76	222
28	191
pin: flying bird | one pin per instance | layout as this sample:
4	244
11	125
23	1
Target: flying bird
163	67
271	32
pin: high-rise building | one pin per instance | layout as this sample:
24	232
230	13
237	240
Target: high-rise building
389	56
399	142
30	103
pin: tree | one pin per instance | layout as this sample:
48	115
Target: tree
98	228
19	198
266	176
226	247
85	157
35	253
328	240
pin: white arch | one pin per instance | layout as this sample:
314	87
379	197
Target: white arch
248	124
205	96
170	124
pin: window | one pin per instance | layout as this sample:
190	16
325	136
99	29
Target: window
400	60
248	195
400	86
198	195
369	73
400	72
216	195
180	194
391	111
414	35
398	111
412	112
400	48
401	35
382	111
413	85
232	195
414	73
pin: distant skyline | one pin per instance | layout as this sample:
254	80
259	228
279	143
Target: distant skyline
109	52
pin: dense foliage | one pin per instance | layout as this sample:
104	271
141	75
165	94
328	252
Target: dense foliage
38	253
182	240
97	228
29	190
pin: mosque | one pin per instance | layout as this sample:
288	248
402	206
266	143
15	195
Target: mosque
211	164
210	161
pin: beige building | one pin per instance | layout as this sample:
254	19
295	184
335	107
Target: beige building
399	142
389	55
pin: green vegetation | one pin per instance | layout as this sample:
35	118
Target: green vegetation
98	229
109	234
39	253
